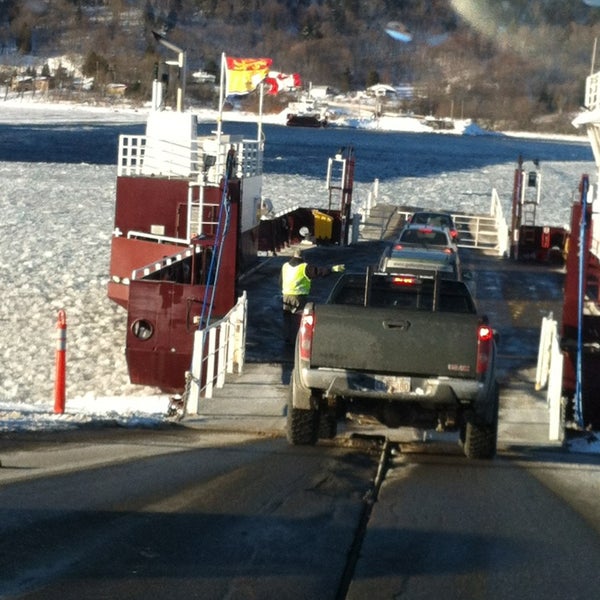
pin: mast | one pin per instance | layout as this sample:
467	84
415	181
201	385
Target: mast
181	63
221	100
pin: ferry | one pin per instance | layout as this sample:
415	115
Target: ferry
307	113
189	219
190	222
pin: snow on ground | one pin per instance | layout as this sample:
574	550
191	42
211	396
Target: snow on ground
63	264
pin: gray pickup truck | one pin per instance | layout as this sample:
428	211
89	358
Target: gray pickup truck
408	349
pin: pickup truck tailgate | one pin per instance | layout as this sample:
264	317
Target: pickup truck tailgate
394	341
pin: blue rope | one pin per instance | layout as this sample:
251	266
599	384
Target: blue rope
582	258
216	257
226	207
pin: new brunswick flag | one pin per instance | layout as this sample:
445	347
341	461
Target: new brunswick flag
245	74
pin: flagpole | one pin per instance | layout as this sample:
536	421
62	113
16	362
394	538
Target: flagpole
260	112
221	100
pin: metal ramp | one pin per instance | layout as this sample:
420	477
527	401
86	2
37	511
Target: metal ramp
483	232
476	231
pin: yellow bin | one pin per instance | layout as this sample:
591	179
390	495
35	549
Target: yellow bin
323	225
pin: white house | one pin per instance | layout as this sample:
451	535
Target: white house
381	90
321	91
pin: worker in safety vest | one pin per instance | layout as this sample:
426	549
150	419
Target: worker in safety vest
296	276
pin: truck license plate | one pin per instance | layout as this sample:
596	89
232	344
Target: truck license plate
397	385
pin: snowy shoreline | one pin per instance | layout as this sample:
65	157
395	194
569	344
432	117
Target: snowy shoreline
39	109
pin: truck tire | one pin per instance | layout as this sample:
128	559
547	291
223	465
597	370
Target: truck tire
327	426
302	424
480	441
480	438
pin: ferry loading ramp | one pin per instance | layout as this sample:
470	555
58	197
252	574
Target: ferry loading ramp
515	296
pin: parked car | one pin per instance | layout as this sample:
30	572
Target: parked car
400	258
425	249
435	219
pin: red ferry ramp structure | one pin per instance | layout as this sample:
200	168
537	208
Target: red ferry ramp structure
256	399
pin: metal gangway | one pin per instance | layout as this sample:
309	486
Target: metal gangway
488	231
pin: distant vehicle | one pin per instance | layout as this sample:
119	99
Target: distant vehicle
398	258
435	219
420	248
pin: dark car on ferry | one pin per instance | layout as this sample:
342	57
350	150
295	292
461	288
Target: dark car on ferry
435	219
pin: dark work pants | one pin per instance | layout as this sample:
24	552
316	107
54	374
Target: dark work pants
292	315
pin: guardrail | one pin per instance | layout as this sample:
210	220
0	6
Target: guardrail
501	224
200	158
371	201
167	261
132	149
548	375
218	349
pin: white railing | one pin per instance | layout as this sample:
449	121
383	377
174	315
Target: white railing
199	158
132	149
501	224
251	162
218	349
549	375
362	219
595	240
140	155
592	91
371	201
202	161
486	231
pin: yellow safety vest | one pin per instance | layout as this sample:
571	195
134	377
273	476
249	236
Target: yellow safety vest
294	280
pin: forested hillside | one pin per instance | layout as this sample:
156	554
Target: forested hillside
502	62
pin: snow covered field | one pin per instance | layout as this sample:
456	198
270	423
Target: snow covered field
55	240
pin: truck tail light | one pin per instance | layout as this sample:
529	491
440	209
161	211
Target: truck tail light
307	326
402	280
485	337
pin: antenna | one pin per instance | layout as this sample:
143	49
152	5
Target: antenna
181	63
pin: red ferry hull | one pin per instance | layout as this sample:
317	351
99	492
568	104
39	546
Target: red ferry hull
183	234
163	312
171	312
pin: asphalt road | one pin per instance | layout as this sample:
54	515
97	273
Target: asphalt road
178	513
446	528
185	512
